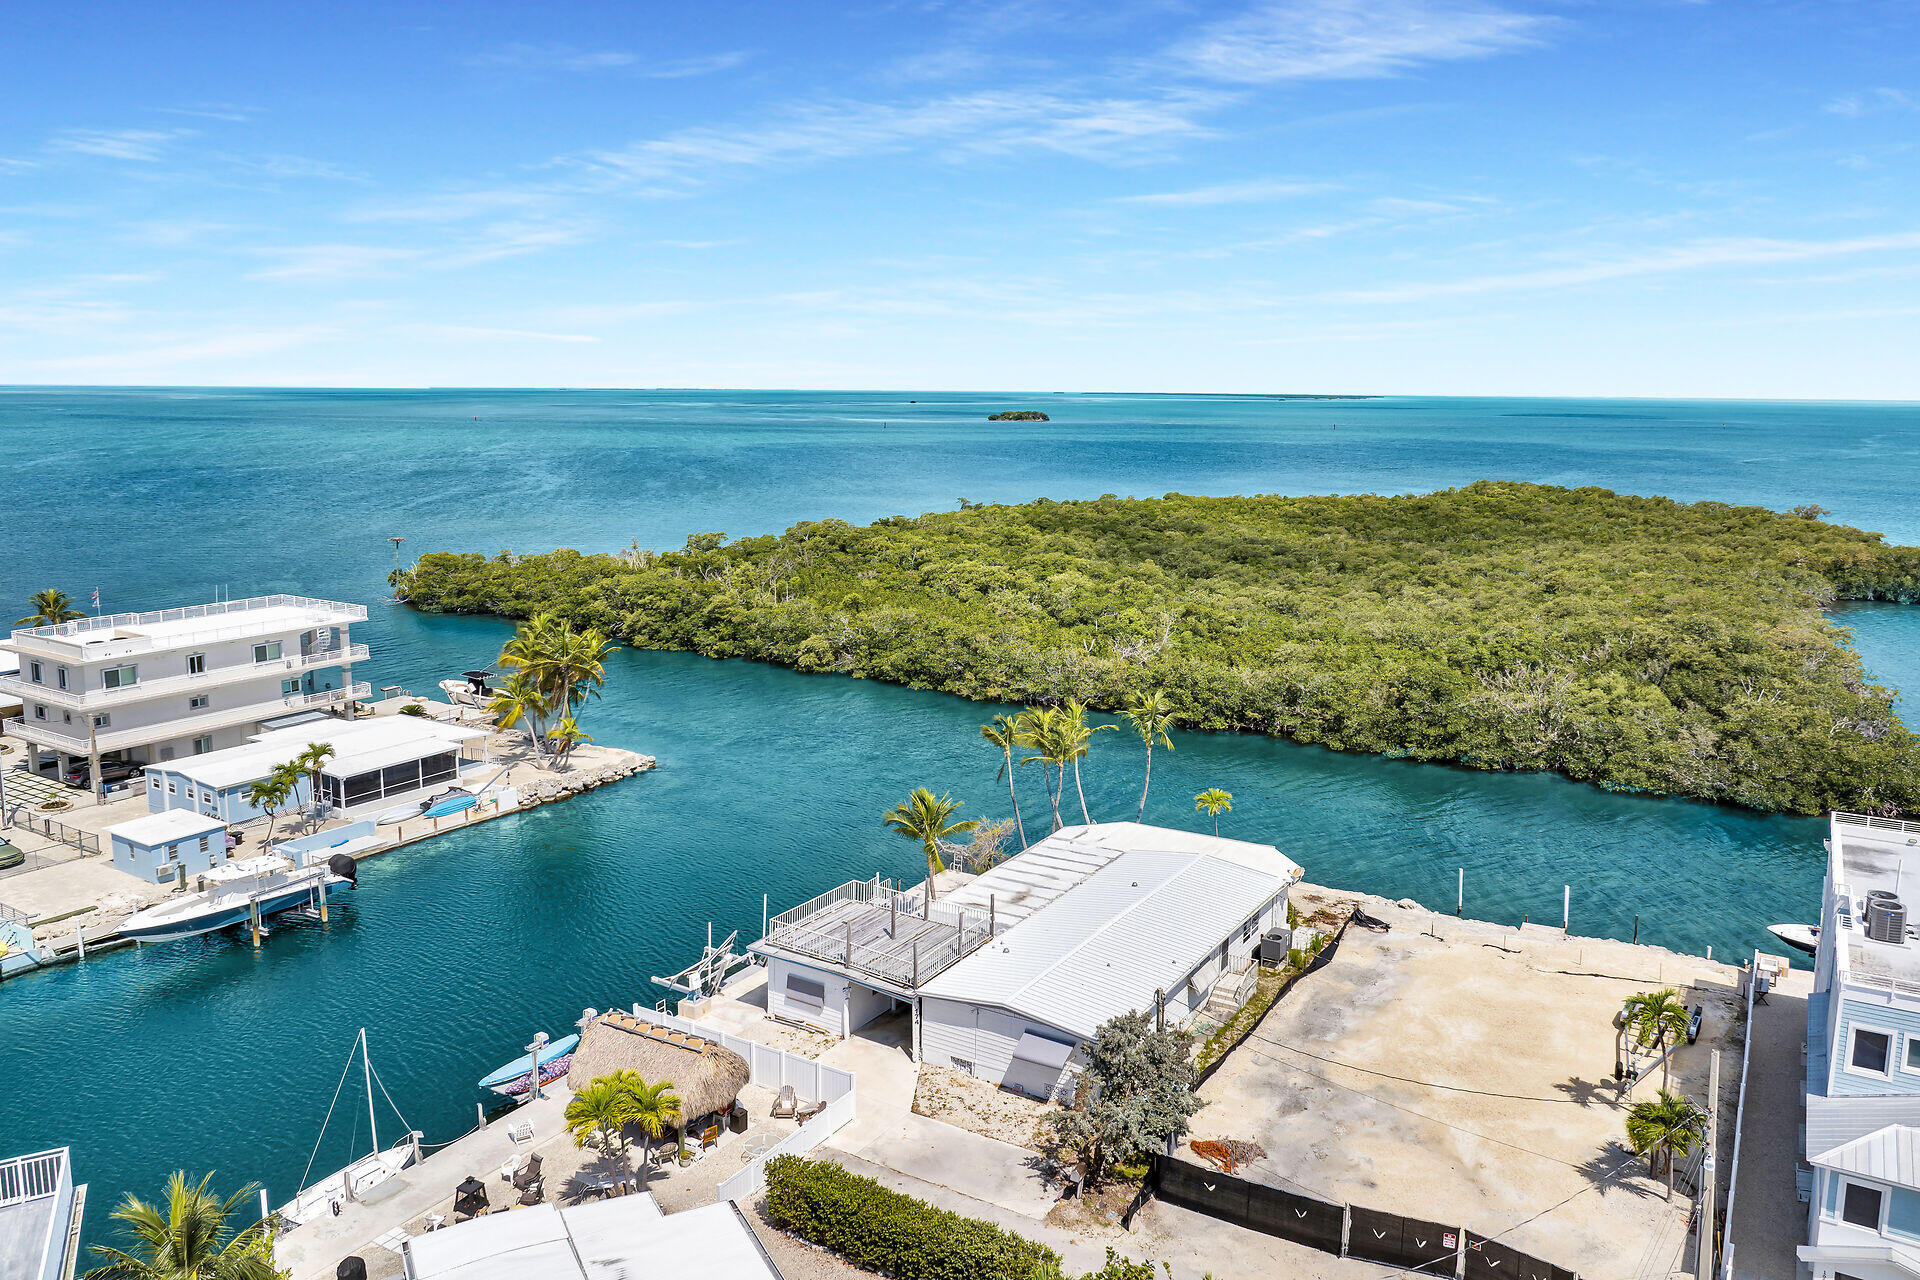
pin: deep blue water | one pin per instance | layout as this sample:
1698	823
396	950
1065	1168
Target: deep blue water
204	1055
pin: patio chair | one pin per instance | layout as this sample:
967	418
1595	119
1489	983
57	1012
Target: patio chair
785	1105
534	1191
708	1136
520	1133
529	1173
809	1111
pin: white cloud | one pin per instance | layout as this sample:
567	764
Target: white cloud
1873	101
1249	192
1352	39
1697	256
231	112
117	144
329	261
551	57
452	206
482	334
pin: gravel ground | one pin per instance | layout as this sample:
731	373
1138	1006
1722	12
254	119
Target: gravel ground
969	1103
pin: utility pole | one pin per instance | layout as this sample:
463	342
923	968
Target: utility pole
1709	1173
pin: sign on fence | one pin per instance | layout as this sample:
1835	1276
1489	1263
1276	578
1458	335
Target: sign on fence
1491	1260
1378	1236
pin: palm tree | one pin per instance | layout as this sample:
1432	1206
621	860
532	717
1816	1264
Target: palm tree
1662	1128
603	1107
1039	730
1004	733
272	791
566	733
1656	1018
1075	734
187	1239
1151	716
565	665
924	817
1215	802
655	1108
520	700
310	762
50	608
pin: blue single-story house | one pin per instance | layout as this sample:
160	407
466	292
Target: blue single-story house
157	846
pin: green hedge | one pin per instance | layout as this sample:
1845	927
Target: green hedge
896	1235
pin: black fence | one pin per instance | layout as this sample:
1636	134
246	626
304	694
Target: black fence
1346	1230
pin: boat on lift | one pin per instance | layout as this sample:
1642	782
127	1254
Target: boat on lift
516	1077
471	690
1801	937
236	891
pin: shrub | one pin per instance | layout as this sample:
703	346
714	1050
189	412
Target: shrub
415	709
881	1230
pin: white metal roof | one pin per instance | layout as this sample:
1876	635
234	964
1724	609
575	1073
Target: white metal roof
387	739
624	1238
165	828
1102	948
1891	1155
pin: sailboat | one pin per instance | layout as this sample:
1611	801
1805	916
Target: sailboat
371	1177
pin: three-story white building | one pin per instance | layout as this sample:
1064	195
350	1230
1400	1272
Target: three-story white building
149	687
1863	1057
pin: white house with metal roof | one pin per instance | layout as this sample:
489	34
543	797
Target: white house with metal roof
375	762
40	1213
624	1238
1863	1058
1009	976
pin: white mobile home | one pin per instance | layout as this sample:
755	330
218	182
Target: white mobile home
1010	975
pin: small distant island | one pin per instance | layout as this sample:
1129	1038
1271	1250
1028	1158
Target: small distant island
1639	644
1019	415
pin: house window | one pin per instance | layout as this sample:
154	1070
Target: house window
198	702
33	669
60	673
120	677
1913	1053
289	687
266	652
39	712
1871	1052
206	846
102	721
202	745
196	664
1860	1206
173	788
1246	930
806	992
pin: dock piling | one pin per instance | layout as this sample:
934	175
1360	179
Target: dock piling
253	920
1460	895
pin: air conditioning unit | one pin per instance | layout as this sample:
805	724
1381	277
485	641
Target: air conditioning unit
1886	918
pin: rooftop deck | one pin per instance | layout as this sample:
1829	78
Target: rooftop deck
1877	854
36	1193
870	927
120	635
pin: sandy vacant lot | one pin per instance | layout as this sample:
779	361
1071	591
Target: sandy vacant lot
1468	1078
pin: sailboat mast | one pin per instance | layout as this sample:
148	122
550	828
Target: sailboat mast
366	1065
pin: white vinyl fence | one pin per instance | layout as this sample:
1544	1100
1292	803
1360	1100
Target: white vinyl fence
772	1068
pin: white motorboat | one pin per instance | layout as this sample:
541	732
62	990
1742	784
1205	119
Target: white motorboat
471	691
1801	937
268	884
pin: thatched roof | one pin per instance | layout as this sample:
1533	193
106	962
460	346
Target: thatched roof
707	1076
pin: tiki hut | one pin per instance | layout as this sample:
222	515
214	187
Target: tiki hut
707	1076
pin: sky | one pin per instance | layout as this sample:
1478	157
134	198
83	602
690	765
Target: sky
1443	197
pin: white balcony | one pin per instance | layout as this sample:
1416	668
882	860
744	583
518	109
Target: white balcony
167	686
126	635
42	734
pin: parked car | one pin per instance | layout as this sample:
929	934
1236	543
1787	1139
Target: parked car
112	772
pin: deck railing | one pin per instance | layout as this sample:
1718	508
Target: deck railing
163	686
219	609
84	841
956	932
1876	824
33	1177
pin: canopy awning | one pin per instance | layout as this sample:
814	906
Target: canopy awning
1041	1051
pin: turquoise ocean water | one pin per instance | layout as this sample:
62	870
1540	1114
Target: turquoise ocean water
204	1055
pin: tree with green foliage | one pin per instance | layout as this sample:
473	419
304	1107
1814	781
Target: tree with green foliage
1213	802
1657	1019
190	1236
1004	733
1076	735
520	701
50	608
1662	1128
1151	715
310	762
273	791
601	1109
927	818
1043	731
1636	643
1134	1095
655	1109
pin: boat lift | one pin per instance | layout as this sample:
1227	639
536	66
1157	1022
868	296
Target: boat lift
705	976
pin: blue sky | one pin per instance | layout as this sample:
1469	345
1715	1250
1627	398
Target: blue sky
1412	196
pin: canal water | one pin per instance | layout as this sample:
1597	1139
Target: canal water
205	1055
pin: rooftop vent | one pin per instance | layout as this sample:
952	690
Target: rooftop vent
1886	918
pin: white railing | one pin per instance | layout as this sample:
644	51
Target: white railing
1739	1122
33	1177
958	932
40	734
72	634
772	1068
142	690
1876	824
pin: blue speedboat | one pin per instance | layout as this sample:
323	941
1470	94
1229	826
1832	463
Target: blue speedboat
515	1077
271	883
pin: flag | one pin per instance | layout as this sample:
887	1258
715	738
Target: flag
96	597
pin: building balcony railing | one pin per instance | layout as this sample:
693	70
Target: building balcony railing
42	734
868	927
34	1177
169	686
226	620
